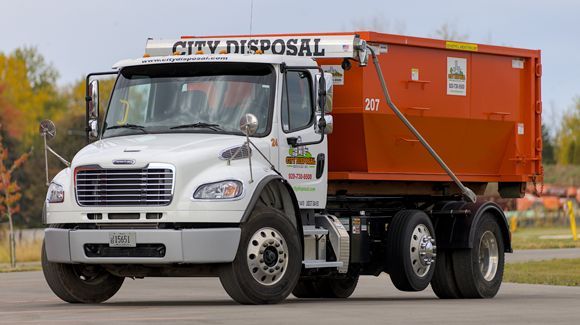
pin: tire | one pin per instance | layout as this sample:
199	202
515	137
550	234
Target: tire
334	287
245	279
306	288
405	233
339	288
444	281
475	280
75	283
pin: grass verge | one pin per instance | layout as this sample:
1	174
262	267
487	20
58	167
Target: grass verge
539	238
562	272
25	251
5	268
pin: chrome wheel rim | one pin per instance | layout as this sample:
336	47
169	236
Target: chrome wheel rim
488	255
267	256
422	250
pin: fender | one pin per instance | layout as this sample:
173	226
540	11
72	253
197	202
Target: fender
458	230
258	191
260	187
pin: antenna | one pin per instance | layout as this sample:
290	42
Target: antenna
251	15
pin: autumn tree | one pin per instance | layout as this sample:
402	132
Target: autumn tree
9	193
70	138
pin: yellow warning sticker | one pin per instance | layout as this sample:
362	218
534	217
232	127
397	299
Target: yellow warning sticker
461	46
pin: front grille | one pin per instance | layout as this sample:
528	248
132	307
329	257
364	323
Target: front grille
124	187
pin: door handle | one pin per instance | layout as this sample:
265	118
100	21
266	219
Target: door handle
320	158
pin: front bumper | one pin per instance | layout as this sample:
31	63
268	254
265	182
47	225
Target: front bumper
195	246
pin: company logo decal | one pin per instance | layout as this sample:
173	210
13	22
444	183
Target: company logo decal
285	46
124	162
300	156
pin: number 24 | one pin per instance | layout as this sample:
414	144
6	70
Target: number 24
372	104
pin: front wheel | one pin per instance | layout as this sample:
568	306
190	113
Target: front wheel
80	283
268	262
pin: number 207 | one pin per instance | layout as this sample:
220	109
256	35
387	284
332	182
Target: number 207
372	104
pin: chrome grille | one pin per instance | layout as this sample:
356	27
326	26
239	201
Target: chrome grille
152	186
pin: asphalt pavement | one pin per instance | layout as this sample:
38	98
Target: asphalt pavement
26	299
542	254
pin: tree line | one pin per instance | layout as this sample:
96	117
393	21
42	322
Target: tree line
28	94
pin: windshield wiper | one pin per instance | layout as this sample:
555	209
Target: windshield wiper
127	126
214	127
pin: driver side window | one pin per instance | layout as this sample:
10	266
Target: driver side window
297	108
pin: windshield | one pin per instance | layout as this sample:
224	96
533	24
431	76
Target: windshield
190	97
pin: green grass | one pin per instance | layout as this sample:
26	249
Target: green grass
530	238
563	272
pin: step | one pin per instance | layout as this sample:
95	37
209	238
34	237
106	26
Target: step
314	264
313	231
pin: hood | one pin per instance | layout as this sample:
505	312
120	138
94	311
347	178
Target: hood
174	148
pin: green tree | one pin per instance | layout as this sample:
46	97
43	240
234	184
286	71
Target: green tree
41	75
548	150
569	137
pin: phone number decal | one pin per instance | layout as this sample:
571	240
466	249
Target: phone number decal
299	176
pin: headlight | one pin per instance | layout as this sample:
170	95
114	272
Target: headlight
55	193
219	190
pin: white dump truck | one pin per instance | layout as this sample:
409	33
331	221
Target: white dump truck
214	157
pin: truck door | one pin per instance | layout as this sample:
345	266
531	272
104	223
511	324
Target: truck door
305	167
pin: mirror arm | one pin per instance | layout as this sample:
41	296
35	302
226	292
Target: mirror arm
64	161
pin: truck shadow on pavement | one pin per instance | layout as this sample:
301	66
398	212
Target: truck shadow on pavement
219	302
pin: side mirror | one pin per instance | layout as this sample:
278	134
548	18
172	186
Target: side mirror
326	124
249	124
324	88
93	129
47	129
93	101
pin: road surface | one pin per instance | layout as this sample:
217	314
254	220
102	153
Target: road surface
26	299
542	254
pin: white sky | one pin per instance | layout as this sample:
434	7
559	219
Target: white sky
79	37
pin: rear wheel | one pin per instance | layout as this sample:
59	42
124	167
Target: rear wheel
443	282
268	262
80	283
479	271
306	288
340	287
411	250
333	287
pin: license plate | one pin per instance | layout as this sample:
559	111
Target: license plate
122	239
